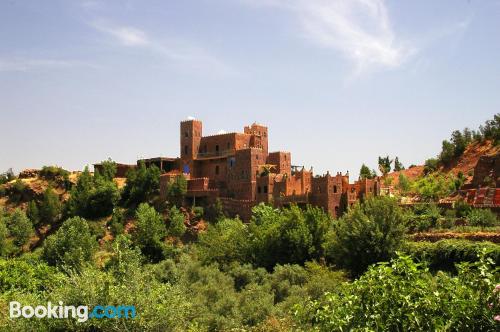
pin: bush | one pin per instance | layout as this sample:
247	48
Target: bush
176	225
482	218
224	242
423	218
369	233
445	254
52	172
93	197
20	227
50	207
149	231
198	212
142	184
116	223
72	245
404	296
176	190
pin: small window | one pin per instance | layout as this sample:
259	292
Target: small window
258	189
186	134
216	169
265	189
228	145
257	157
216	148
185	149
334	189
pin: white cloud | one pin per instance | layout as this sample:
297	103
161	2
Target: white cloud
360	29
28	64
127	36
176	51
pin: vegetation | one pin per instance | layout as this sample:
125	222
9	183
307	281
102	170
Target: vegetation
365	173
287	269
176	190
384	165
404	296
142	184
367	234
93	196
72	246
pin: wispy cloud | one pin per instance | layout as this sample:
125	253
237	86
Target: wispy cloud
360	29
30	64
178	52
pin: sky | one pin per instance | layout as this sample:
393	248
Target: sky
338	83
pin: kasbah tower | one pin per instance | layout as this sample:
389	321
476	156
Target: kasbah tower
238	169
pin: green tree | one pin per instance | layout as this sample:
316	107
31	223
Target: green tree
398	166
142	183
447	153
4	234
404	183
176	190
384	165
365	173
149	231
50	207
176	225
370	232
431	165
72	245
459	142
108	170
33	213
20	227
224	242
93	197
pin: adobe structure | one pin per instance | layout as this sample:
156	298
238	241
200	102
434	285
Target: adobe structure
238	169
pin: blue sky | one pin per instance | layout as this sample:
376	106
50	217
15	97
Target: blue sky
337	82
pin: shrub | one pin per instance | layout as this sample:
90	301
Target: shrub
20	227
142	184
50	207
176	190
176	225
369	233
198	212
52	172
33	213
224	242
482	218
93	197
72	245
108	170
404	296
149	231
445	254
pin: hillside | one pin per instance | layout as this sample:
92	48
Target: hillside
464	164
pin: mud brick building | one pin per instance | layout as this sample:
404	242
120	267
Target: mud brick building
238	169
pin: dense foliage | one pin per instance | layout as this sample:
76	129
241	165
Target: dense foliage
142	184
369	233
404	296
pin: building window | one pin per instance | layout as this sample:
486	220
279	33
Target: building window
257	157
186	134
185	149
334	189
216	169
258	189
265	189
228	145
216	148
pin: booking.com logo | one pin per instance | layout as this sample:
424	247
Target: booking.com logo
60	311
